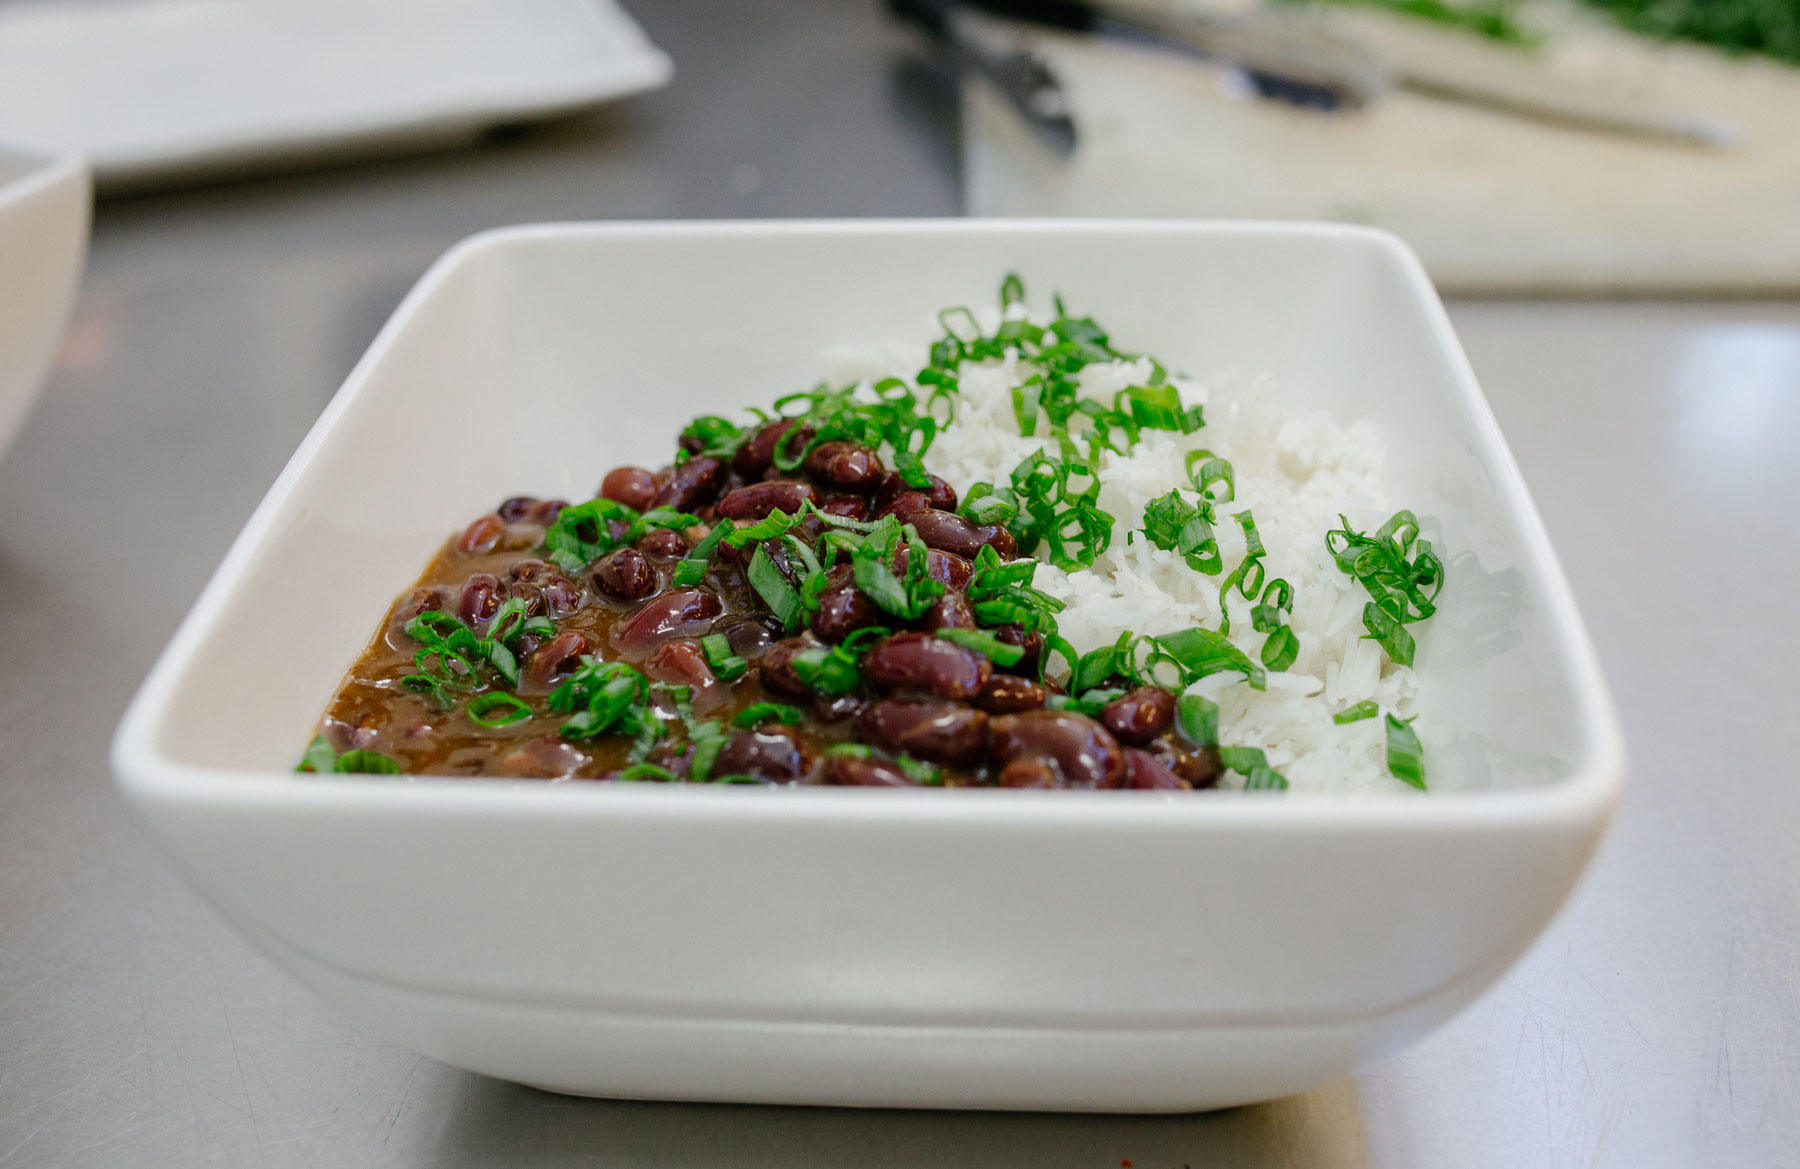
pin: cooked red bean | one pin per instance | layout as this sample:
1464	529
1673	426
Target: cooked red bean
551	662
836	707
774	755
1028	773
663	544
482	596
481	536
950	611
545	513
693	485
757	452
846	464
1032	643
939	732
674	757
625	575
756	500
517	509
849	771
905	505
545	757
1145	772
953	533
1139	716
843	609
853	507
947	567
1199	766
776	668
1008	694
670	615
422	600
925	663
532	570
531	595
749	635
634	487
562	595
1084	753
683	663
939	495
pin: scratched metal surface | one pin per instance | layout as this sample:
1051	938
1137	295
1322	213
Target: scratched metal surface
1654	1025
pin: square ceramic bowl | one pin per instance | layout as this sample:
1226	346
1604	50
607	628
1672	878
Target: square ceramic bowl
44	202
1065	950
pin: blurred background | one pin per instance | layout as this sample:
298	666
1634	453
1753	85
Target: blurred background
1608	191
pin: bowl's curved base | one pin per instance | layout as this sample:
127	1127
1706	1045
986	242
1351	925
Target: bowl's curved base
580	1051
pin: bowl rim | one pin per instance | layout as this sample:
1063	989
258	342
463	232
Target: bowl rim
50	165
1586	794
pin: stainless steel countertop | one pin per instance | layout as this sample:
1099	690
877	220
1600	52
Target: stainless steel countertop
1654	1025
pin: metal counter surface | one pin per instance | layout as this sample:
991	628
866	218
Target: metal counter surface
1655	1024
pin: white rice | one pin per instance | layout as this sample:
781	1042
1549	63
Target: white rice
1297	470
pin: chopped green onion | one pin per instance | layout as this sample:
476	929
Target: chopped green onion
707	739
761	712
642	771
724	664
919	772
322	760
481	710
1362	710
1198	718
367	763
774	589
692	570
1200	652
1253	765
1405	757
1002	654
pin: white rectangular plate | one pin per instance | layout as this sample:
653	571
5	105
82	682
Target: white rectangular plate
151	90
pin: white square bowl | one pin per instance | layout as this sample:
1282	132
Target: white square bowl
1067	950
44	201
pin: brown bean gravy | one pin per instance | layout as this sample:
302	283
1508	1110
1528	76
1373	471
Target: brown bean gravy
924	704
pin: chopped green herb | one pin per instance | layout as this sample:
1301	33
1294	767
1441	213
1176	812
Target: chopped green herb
1253	765
761	712
719	438
692	570
707	739
496	710
774	589
605	698
1201	652
642	771
1362	710
1401	573
320	759
725	665
1173	524
919	771
837	670
1198	718
1405	757
999	652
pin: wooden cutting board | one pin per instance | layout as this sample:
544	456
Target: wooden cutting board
1492	203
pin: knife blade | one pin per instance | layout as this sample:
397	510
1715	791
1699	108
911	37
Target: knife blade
1029	86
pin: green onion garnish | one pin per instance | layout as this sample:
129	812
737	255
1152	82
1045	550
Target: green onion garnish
762	712
1401	573
320	759
1198	718
725	665
1253	765
482	710
605	697
1362	710
1405	757
692	570
650	771
1002	654
774	589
